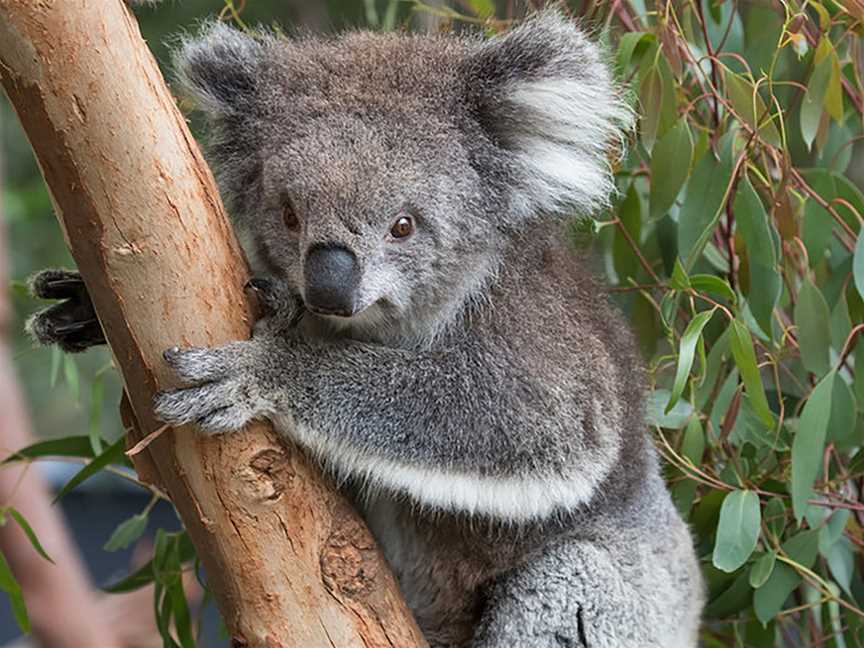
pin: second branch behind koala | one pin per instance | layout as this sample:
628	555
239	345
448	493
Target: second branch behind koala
430	336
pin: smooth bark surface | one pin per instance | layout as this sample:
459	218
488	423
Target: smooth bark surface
289	561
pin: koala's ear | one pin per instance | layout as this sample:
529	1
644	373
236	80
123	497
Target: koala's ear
219	69
545	96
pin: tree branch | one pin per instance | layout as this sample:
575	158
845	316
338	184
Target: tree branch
288	560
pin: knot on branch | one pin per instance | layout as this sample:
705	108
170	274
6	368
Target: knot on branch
349	559
271	473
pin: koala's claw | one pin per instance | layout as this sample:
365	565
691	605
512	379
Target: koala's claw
221	395
71	324
259	284
282	308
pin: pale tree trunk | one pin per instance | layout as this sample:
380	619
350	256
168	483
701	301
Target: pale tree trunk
288	560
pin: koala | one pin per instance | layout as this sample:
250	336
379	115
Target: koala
429	334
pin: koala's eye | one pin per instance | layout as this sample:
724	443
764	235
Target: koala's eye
403	227
289	216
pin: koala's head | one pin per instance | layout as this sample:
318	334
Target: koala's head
383	175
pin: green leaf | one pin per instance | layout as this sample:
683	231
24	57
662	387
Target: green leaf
627	46
858	264
56	360
712	284
180	612
737	530
113	454
761	569
724	397
841	425
97	391
685	355
732	600
841	562
809	444
775	516
818	224
655	414
28	531
624	259
750	107
74	446
769	599
814	98
70	374
482	8
146	574
833	98
749	428
813	320
127	532
765	285
832	531
704	203
858	384
717	358
651	98
803	547
670	166
745	358
841	324
693	444
9	585
679	279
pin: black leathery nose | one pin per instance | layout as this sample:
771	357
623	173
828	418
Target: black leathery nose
332	275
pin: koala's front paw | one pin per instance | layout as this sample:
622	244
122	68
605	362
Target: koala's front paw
71	324
224	393
281	307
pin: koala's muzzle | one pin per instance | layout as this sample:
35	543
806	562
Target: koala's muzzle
332	275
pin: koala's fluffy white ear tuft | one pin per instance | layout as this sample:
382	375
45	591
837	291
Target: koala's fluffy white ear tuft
544	93
218	69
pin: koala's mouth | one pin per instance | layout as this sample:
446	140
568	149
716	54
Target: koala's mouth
342	314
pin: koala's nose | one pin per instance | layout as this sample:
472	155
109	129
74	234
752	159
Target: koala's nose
332	275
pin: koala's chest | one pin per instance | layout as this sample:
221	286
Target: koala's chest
443	570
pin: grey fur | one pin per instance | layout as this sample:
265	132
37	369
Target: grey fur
484	405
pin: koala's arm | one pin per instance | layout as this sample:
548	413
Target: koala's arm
465	427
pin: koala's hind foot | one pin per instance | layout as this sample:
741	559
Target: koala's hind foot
71	324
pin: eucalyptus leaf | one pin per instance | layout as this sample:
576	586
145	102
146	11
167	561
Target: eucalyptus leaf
127	532
703	205
685	355
670	167
761	570
113	454
737	530
28	531
73	446
813	320
16	597
745	358
765	285
809	444
768	600
655	410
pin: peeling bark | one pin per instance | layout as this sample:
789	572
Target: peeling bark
290	563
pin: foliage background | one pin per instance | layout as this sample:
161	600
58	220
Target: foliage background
735	247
